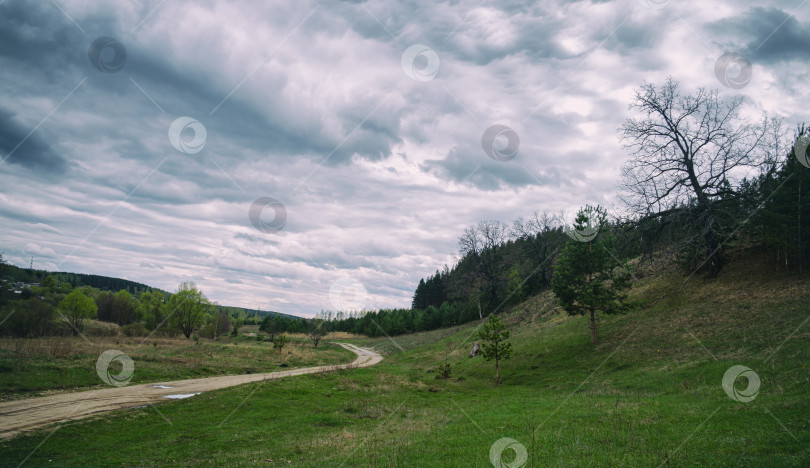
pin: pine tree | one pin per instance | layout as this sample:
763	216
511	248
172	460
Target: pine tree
493	335
587	277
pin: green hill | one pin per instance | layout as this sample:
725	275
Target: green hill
14	274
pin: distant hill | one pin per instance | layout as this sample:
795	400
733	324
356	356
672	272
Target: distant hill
104	283
14	273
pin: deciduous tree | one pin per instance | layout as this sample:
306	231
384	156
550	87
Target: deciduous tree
76	307
188	308
689	154
317	331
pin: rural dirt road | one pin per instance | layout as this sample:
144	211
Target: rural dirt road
22	415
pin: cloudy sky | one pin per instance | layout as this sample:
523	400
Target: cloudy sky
276	151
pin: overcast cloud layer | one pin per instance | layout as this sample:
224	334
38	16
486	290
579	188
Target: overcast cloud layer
309	103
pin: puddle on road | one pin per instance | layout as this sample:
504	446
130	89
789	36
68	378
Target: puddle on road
180	396
161	386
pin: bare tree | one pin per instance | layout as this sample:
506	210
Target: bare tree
537	231
480	244
689	152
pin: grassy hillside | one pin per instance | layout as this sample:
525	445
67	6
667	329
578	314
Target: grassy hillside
648	394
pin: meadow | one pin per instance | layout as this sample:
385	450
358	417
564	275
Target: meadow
41	366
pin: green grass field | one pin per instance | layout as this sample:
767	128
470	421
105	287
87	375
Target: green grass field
648	394
33	367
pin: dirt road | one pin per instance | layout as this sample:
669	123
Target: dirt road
21	415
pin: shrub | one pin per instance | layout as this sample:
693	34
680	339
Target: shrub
134	329
102	329
444	371
167	332
207	332
279	342
28	319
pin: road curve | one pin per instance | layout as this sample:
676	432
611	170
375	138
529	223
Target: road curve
22	415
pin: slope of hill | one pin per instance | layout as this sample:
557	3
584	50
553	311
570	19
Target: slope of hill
649	393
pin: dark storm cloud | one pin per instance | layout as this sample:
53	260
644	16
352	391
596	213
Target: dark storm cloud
770	35
33	152
469	166
36	39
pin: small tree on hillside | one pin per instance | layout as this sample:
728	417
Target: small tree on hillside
272	325
279	342
317	331
587	278
76	307
493	336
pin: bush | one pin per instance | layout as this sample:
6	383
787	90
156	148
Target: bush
167	332
444	371
279	342
207	332
28	319
134	329
102	329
